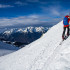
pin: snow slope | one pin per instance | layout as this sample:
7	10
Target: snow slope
6	48
43	54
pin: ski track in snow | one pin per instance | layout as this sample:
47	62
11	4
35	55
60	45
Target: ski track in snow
41	62
53	56
38	60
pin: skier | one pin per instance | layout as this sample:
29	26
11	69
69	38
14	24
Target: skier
66	25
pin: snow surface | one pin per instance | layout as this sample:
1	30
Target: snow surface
45	53
6	49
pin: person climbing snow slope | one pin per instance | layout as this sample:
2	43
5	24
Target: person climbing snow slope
66	25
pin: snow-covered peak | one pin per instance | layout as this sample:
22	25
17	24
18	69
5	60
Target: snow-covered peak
45	53
26	30
8	32
39	29
19	30
30	29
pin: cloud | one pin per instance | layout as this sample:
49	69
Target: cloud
55	12
5	6
25	20
28	20
51	10
21	3
32	0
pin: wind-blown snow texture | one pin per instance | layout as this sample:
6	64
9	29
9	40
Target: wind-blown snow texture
43	54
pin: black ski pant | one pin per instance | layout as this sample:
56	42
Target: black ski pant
64	29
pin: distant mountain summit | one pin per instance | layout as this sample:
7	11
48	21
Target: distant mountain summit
22	36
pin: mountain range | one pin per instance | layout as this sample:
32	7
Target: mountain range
22	36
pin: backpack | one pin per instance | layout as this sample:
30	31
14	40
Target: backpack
65	21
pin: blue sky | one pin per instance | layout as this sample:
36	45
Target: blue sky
32	12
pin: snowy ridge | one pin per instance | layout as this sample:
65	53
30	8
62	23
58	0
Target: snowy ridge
43	54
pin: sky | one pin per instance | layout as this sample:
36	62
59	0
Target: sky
32	12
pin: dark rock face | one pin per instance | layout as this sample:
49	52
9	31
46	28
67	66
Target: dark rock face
21	38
